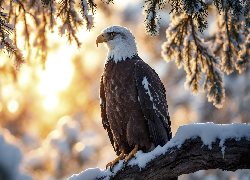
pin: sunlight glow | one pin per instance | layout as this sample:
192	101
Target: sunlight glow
50	102
58	73
1	107
24	76
7	91
13	106
79	146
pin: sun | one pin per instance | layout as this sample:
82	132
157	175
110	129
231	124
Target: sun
56	77
58	73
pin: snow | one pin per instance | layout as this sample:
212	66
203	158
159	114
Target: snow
211	177
10	159
36	158
58	143
90	19
62	29
89	174
150	17
145	83
208	132
86	152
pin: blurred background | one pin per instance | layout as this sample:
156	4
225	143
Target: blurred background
51	117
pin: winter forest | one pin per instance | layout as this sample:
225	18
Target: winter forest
50	69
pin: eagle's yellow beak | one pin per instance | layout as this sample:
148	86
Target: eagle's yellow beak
101	38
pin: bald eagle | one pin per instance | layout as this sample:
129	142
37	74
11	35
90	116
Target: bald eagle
133	102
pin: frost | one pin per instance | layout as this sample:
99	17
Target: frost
85	14
145	83
194	8
62	29
151	18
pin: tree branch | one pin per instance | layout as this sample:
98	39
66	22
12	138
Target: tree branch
192	156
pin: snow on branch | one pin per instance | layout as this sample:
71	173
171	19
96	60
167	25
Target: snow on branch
244	56
188	49
7	44
194	147
50	8
150	11
86	7
228	51
70	20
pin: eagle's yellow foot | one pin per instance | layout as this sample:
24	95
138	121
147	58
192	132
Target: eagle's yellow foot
111	164
132	153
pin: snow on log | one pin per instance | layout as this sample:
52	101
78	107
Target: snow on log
194	147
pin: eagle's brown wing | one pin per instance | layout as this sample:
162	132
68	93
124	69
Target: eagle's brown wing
152	97
105	121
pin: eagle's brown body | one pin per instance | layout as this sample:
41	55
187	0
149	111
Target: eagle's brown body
130	113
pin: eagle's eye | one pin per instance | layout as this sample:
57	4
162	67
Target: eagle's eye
112	34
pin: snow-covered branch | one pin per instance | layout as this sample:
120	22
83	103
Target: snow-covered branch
196	55
151	21
6	43
194	147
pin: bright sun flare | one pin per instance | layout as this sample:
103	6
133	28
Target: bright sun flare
56	77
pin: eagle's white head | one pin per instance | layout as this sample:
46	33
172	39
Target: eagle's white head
119	41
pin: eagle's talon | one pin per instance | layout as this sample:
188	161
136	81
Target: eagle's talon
113	163
111	168
131	154
108	165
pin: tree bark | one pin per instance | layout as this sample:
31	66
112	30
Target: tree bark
192	156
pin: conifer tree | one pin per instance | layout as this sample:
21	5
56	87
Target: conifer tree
227	50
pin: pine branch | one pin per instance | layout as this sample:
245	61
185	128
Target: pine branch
198	12
92	6
150	11
197	57
227	60
7	44
26	30
87	6
50	8
196	75
175	33
10	11
244	56
47	3
71	21
41	41
108	1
